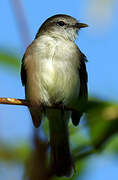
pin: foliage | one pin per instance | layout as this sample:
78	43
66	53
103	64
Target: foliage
9	59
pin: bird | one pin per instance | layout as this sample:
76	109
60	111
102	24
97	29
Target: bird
54	73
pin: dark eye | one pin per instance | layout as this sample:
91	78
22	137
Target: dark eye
61	23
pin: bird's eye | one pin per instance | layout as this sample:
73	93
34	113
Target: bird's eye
61	23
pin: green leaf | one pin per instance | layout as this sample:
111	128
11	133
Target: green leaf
19	153
9	59
102	120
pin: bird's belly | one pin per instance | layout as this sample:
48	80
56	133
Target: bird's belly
54	83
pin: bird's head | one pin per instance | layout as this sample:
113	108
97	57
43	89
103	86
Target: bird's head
62	25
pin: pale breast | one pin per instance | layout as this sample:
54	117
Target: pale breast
52	71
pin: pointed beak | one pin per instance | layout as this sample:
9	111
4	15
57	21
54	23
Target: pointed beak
81	25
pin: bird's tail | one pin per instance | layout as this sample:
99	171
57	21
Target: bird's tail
61	158
36	115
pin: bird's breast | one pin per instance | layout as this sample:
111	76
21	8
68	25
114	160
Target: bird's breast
53	75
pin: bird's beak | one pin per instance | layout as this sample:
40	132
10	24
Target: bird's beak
81	25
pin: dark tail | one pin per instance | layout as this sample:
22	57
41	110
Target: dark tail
61	158
36	115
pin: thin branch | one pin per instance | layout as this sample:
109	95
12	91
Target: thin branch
13	101
23	102
85	154
96	147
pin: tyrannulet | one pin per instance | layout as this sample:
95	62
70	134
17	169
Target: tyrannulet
54	73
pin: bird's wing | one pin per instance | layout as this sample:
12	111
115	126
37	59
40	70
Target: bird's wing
23	72
35	111
83	94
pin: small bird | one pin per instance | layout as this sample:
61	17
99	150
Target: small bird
54	73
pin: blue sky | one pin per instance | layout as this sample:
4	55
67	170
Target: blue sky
98	42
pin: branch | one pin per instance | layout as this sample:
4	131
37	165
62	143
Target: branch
23	102
13	101
85	154
95	148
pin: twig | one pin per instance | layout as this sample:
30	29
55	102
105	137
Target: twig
96	147
85	154
13	101
23	102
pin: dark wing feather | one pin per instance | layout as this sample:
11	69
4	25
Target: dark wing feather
35	111
83	94
23	72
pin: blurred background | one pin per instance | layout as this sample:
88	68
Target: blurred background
23	150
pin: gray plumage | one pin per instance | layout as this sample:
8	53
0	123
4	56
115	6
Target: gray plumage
54	72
